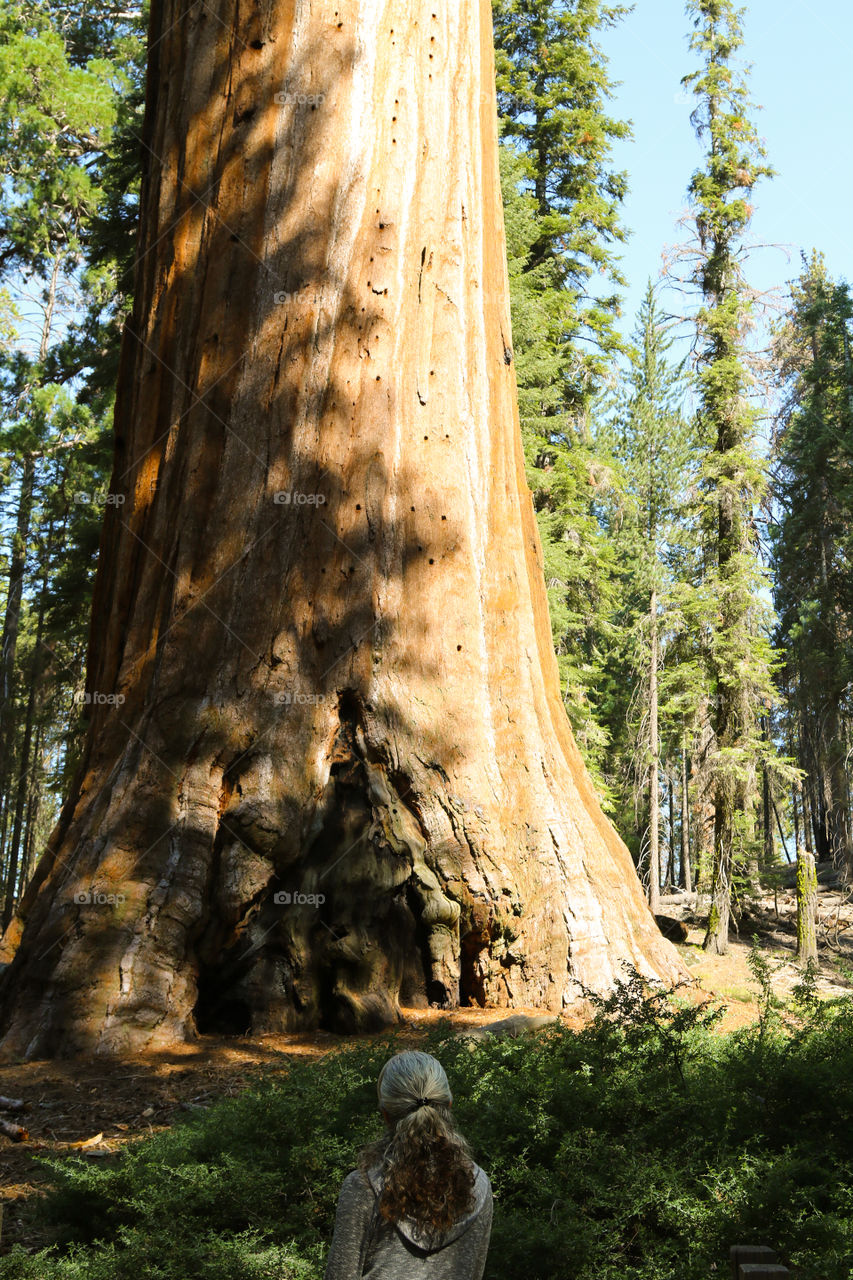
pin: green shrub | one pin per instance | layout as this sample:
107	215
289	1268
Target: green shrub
639	1148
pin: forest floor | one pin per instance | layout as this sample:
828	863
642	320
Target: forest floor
84	1107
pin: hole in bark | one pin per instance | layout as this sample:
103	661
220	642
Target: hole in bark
476	940
257	44
472	989
358	506
218	1013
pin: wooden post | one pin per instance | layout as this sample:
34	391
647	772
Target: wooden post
749	1253
806	906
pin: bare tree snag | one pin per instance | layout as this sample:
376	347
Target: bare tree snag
806	906
336	775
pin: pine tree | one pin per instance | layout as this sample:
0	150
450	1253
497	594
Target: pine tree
813	548
562	201
653	443
566	478
553	86
733	473
60	102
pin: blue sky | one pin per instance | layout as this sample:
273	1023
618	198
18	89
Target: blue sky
801	58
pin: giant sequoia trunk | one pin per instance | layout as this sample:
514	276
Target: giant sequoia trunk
341	778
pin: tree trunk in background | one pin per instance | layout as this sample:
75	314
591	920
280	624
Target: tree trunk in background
838	811
768	827
32	814
14	595
9	643
669	879
341	778
22	787
796	811
703	820
806	906
686	874
654	761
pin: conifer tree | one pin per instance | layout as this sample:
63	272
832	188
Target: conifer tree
66	74
567	478
733	474
562	200
553	86
652	441
813	548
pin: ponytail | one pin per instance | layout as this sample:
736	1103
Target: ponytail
425	1163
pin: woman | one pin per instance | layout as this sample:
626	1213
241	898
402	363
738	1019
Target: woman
417	1205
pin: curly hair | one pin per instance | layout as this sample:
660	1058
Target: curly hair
425	1163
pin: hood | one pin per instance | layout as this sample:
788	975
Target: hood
432	1241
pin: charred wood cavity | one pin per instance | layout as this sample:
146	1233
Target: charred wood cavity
358	926
219	1011
392	932
475	940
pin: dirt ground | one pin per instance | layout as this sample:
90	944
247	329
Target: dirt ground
93	1108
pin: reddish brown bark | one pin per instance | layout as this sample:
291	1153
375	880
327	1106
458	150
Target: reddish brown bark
354	696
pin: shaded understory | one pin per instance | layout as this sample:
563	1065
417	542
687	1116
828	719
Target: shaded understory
639	1147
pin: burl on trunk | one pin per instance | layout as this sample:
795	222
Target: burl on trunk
328	769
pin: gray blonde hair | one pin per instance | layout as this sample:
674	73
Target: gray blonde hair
411	1081
425	1163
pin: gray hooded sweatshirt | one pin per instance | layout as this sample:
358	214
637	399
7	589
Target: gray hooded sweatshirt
367	1245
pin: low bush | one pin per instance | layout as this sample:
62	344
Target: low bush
638	1148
